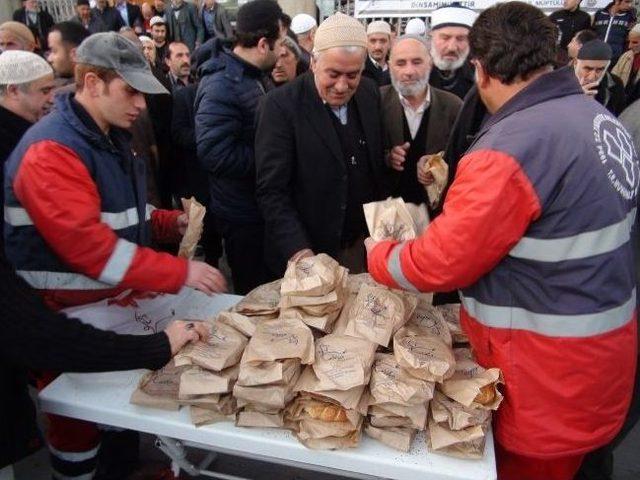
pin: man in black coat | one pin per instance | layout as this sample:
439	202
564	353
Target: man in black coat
131	15
38	21
319	153
376	66
570	20
109	16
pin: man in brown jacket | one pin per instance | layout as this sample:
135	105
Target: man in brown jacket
417	118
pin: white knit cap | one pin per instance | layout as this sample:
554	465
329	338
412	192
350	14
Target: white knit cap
339	30
415	26
157	20
379	26
144	38
17	66
454	15
636	29
302	23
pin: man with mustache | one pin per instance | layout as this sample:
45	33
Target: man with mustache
319	153
450	47
179	63
378	45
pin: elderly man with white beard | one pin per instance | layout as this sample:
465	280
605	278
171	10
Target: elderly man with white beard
417	118
449	34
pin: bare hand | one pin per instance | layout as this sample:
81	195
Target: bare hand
397	156
205	278
591	88
183	223
182	332
425	178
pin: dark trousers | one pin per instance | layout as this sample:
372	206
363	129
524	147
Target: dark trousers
244	246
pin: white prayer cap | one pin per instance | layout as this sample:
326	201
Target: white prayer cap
17	66
415	26
157	20
379	26
339	30
302	23
144	38
636	29
454	15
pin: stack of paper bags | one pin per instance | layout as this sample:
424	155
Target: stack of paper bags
461	408
269	370
329	411
314	290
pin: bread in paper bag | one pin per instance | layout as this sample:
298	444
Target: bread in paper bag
456	415
465	443
473	385
195	212
311	276
428	320
438	168
262	300
451	314
394	437
268	373
390	383
389	219
280	339
343	362
425	357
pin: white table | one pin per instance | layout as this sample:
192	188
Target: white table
104	398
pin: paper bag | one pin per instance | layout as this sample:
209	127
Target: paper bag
472	385
396	438
202	416
195	211
456	415
223	348
439	169
280	339
466	443
392	384
268	373
262	300
451	314
428	320
309	384
389	219
343	362
425	357
417	414
249	418
244	324
164	382
312	276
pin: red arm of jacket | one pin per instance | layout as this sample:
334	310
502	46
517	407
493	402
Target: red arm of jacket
164	225
487	210
58	193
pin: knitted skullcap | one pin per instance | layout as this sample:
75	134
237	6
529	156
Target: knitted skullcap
302	23
415	26
595	50
339	30
636	29
18	66
379	26
20	30
144	38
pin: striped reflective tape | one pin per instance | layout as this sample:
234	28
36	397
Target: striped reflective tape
61	281
74	457
19	217
395	269
551	325
61	476
149	210
119	262
583	245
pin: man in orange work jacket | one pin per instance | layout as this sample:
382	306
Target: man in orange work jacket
535	232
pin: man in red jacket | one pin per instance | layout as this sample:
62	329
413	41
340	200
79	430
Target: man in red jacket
535	232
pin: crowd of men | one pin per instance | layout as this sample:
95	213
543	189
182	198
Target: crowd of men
285	127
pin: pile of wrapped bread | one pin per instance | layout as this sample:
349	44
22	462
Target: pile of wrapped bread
328	356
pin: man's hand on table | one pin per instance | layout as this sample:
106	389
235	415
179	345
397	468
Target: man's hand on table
205	278
182	332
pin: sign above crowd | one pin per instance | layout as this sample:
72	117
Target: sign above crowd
420	8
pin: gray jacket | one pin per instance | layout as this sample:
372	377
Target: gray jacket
187	27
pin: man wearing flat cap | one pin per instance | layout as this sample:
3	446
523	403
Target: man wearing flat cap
77	224
378	44
450	27
319	153
593	60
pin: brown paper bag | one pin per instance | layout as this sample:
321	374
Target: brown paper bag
198	381
343	362
389	219
392	384
332	443
269	373
419	215
195	211
250	418
397	438
436	165
456	415
262	300
451	314
417	415
244	324
424	357
390	422
312	276
428	320
202	416
374	314
466	443
309	384
472	385
280	339
164	382
355	281
223	348
323	323
272	396
138	397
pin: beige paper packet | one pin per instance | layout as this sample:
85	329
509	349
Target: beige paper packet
195	212
202	416
138	397
389	219
251	418
419	215
308	384
396	438
390	383
324	323
268	373
164	382
417	414
472	385
311	276
272	396
262	300
391	422
374	315
343	362
222	349
451	314
428	320
466	443
244	324
456	415
280	339
198	381
439	169
332	443
355	282
423	357
309	428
